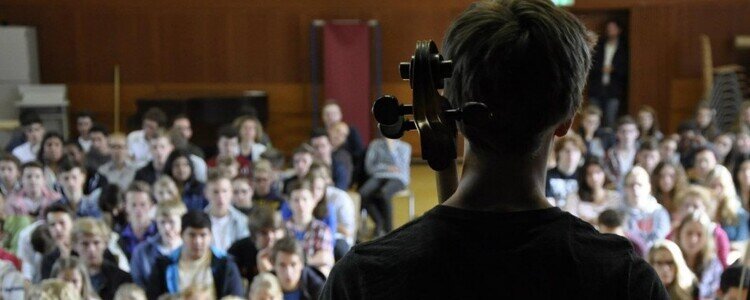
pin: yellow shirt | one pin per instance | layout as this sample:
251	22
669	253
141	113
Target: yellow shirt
196	273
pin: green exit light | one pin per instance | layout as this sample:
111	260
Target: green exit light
563	2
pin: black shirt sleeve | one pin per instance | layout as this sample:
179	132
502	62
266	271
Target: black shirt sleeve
344	281
644	283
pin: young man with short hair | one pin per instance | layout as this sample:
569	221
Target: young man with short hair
169	222
302	159
621	157
141	225
90	238
72	178
228	223
314	235
98	154
228	145
160	146
10	175
119	170
253	253
195	263
340	162
562	180
297	280
182	124
34	131
264	193
84	124
497	236
154	120
59	222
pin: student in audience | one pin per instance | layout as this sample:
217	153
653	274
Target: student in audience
339	204
645	217
228	167
668	150
621	157
743	183
648	124
139	142
165	189
265	286
592	196
297	279
34	131
31	259
690	140
250	133
278	166
734	284
704	121
180	169
315	236
228	146
13	284
242	195
98	154
72	270
740	153
227	223
160	147
10	175
322	210
648	156
253	253
611	221
72	179
667	181
597	139
562	180
197	262
695	238
53	289
90	238
667	260
729	212
743	118
169	223
697	198
338	133
34	196
140	225
59	220
84	124
302	159
6	255
182	124
119	170
51	154
387	162
263	182
331	115
340	162
112	205
705	164
200	168
724	144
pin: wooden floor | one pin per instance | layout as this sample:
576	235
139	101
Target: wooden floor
425	192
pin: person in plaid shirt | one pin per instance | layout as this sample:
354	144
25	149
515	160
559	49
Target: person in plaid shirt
314	236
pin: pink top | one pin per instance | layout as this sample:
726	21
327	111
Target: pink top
722	244
19	204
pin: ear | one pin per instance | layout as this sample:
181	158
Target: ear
563	128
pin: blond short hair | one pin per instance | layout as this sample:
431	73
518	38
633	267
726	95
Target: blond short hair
130	291
171	208
266	282
54	289
90	226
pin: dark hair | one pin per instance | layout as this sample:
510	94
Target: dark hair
610	218
177	153
584	190
99	128
262	218
687	126
649	144
41	240
11	158
180	116
304	149
275	157
732	276
32	164
287	245
48	136
654	126
74	143
139	186
157	115
626	120
30	118
84	114
318	132
680	181
228	131
195	219
527	61
59	207
110	198
67	164
706	147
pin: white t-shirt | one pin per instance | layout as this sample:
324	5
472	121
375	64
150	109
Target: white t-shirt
222	232
25	152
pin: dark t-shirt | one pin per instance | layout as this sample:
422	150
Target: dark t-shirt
452	253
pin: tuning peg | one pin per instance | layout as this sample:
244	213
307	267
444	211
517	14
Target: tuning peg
405	70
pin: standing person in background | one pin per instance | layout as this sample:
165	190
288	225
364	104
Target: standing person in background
153	120
250	133
98	153
608	79
84	123
182	124
160	146
34	131
388	165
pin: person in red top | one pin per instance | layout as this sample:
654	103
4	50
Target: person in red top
5	255
228	145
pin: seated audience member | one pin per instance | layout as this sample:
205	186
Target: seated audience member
729	212
180	169
339	204
200	168
562	180
705	164
250	132
263	181
53	289
668	150
694	235
253	253
165	189
297	279
10	175
60	226
278	166
94	180
315	236
338	133
228	223
34	196
667	181
139	141
621	157
182	124
112	205
4	254
734	284
84	125
242	195
98	154
322	210
648	124
31	251
72	270
704	121
169	223
331	115
130	291
667	260
697	198
160	147
743	183
13	284
90	238
302	159
141	225
72	179
740	153
648	156
592	196
265	286
611	221
723	144
196	262
690	140
119	170
228	166
743	118
645	217
597	139
228	146
387	162
34	131
51	154
340	162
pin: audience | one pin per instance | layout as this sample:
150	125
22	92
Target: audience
592	197
139	143
646	218
734	284
694	235
242	195
729	212
297	279
265	286
120	170
667	180
72	271
72	179
169	223
340	162
621	157
250	134
90	238
140	224
99	153
84	124
34	131
315	236
648	124
160	146
666	258
179	167
10	175
562	180
253	253
387	164
227	223
183	125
